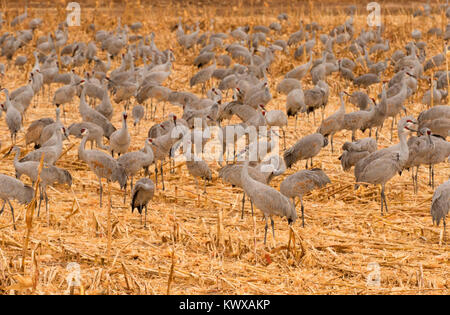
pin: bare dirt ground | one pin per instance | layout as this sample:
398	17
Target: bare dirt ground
199	244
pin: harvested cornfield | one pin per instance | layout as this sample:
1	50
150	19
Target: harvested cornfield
195	242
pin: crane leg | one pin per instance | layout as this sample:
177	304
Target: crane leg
243	203
12	213
383	200
46	206
303	212
284	138
145	220
204	190
3	207
162	176
265	232
273	227
432	177
251	206
331	140
41	197
156	173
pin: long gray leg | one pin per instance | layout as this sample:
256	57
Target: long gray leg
12	213
303	212
265	233
273	227
243	203
162	176
3	207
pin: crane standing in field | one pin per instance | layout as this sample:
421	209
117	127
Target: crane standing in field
11	188
270	201
440	204
101	164
141	194
383	168
301	183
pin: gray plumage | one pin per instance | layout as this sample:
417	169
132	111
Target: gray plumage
11	188
138	113
304	149
270	201
440	204
301	183
383	168
103	165
356	151
142	193
95	133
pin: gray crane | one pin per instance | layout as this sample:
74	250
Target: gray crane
382	169
13	118
270	201
138	113
34	130
120	140
197	167
101	164
133	162
95	133
89	114
142	193
301	183
356	151
304	149
203	76
440	204
11	188
334	123
52	149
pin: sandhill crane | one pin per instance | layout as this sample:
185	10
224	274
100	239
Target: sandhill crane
300	71
105	107
95	133
356	151
276	118
197	167
334	123
119	141
89	114
382	169
203	76
101	164
440	204
439	111
304	149
439	153
395	104
439	126
295	103
13	119
163	147
52	149
141	194
133	162
34	131
49	130
11	188
287	85
270	201
361	100
301	183
366	80
138	113
65	94
420	148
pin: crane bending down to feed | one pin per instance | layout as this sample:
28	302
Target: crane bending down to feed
301	183
270	201
142	193
440	204
380	169
11	188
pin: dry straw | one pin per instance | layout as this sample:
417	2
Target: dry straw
199	244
